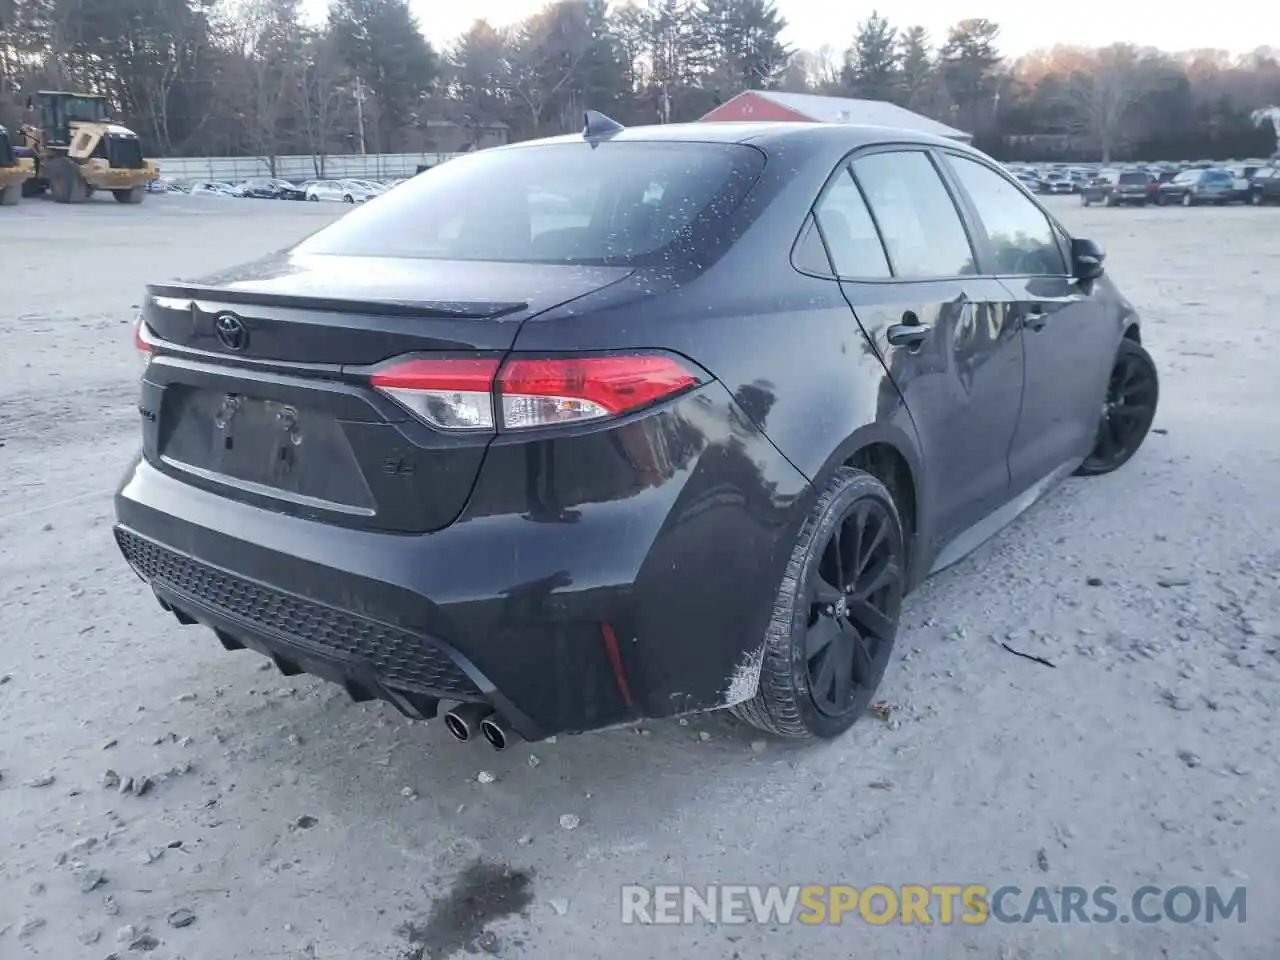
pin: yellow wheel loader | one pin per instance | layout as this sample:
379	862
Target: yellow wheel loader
16	170
78	149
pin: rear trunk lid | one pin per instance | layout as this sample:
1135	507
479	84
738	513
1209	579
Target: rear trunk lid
258	385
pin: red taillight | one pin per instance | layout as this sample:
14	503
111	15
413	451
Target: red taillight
451	394
472	394
539	393
140	341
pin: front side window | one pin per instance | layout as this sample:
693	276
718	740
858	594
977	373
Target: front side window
1020	233
922	229
849	231
87	109
618	202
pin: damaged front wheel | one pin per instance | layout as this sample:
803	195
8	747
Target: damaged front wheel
1133	390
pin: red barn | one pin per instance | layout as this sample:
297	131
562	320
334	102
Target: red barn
772	106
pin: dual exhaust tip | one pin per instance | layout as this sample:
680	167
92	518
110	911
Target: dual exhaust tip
466	720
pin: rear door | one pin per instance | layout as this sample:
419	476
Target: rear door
1068	338
910	273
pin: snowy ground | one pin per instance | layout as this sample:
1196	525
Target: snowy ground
293	824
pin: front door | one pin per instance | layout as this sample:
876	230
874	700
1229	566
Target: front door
909	272
1068	337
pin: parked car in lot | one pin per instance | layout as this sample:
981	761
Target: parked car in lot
1242	176
1197	186
344	191
1031	182
686	449
1059	183
1113	188
1264	186
375	187
268	188
212	188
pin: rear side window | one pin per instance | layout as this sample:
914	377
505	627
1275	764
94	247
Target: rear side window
921	228
1021	236
620	202
850	232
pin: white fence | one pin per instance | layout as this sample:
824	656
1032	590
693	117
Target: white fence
373	166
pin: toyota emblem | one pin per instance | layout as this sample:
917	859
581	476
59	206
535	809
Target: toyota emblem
231	331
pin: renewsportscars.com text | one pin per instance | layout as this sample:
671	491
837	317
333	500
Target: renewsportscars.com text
920	904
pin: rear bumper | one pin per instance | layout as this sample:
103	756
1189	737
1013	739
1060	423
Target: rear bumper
566	607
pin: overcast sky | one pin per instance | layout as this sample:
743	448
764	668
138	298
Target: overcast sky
1024	25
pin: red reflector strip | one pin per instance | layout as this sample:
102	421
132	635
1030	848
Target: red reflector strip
616	384
140	337
469	375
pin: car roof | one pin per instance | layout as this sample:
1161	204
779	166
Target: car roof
768	136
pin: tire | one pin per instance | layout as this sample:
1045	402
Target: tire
785	703
1133	395
10	195
1084	201
133	195
65	184
1256	199
348	199
1187	201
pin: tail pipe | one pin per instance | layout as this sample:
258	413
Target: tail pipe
498	731
464	720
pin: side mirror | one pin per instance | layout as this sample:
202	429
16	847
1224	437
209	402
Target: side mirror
1086	259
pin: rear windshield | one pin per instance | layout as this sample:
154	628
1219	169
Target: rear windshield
1133	178
622	203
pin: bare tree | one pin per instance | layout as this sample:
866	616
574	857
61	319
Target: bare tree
822	68
267	39
322	91
1105	89
546	54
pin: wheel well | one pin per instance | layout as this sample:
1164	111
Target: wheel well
890	467
1133	333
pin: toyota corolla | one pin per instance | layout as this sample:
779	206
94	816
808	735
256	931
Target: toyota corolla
627	424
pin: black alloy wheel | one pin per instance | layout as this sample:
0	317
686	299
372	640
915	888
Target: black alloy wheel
1133	393
835	617
853	611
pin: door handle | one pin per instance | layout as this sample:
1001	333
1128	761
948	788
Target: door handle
1035	317
907	334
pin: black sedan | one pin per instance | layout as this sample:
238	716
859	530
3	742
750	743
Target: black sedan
1198	186
265	188
633	423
